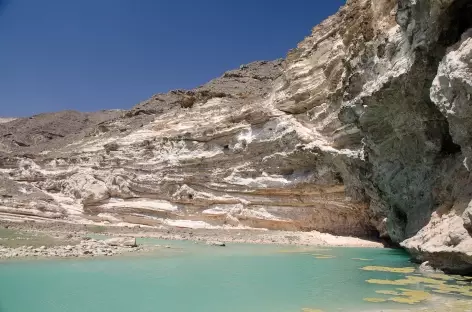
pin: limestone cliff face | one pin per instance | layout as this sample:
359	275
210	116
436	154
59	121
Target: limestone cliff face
221	154
362	130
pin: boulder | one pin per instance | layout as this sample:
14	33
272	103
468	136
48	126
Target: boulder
425	267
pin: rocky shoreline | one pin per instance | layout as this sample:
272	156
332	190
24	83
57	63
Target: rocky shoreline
72	240
86	248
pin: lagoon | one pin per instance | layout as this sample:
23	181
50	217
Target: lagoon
199	278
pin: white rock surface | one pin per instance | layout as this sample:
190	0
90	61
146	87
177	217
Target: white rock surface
5	120
121	241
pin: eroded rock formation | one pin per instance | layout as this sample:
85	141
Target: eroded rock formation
362	130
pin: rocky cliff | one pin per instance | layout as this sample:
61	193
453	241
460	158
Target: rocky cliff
362	130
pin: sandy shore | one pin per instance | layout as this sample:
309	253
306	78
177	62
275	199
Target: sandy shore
256	236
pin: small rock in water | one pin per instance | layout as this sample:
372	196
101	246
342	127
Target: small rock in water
425	267
216	243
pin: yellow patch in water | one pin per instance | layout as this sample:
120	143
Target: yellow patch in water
375	300
440	276
425	280
441	291
417	294
409	280
403	300
438	283
311	310
362	259
325	257
389	269
409	296
458	289
401	282
461	278
388	292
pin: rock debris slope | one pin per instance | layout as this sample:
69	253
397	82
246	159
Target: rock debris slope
362	130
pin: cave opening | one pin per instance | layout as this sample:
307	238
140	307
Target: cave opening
339	178
448	146
455	21
400	215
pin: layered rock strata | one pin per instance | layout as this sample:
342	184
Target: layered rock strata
219	155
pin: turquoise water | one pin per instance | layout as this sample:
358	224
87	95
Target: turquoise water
199	278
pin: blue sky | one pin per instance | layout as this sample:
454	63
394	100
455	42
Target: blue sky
99	54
